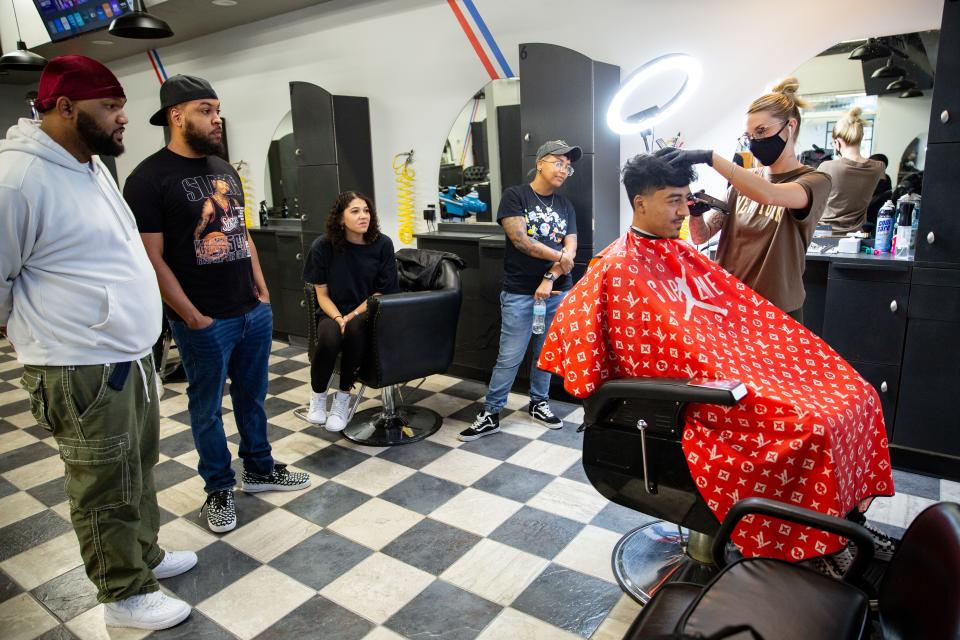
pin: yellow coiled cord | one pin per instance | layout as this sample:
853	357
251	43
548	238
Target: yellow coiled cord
406	218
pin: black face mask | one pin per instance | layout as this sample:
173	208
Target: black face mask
767	150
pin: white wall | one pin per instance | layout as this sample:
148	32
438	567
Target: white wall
413	62
899	121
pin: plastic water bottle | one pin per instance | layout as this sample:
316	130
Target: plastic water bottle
884	238
539	316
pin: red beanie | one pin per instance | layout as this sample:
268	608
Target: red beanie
77	78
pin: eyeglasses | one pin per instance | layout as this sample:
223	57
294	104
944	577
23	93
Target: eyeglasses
561	167
746	138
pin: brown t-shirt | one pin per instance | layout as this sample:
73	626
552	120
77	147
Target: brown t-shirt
853	186
765	246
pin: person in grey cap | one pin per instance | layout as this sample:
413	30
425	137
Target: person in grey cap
189	206
541	227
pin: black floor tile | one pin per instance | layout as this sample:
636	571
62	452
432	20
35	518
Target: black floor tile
178	444
31	532
332	460
537	532
7	488
196	627
568	599
326	503
510	481
25	455
68	595
431	546
320	559
422	493
576	472
8	588
170	472
288	352
218	565
38	432
567	437
916	485
249	508
286	366
620	519
57	633
445	612
276	406
282	385
416	455
319	618
14	408
413	395
49	493
468	389
318	431
500	445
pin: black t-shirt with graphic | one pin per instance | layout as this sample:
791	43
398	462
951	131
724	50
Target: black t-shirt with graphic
353	273
197	203
548	220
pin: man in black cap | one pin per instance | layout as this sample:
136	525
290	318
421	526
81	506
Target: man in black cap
541	227
189	208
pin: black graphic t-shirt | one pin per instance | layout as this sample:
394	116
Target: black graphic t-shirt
549	219
197	204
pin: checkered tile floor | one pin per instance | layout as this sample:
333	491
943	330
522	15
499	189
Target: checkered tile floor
497	538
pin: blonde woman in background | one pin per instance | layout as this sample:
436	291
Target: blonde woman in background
854	176
774	210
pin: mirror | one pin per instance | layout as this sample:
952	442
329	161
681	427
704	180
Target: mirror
481	155
891	80
280	181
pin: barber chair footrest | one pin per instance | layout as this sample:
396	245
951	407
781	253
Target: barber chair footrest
372	427
652	555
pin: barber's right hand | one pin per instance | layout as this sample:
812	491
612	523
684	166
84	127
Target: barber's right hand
200	322
687	157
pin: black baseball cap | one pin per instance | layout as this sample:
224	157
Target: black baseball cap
177	90
559	148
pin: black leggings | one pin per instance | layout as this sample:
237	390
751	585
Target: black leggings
350	346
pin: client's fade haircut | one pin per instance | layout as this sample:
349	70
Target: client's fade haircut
645	173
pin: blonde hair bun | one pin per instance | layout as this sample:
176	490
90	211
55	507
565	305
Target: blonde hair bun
787	86
854	112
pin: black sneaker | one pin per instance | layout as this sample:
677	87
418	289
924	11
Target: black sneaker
883	545
221	511
484	425
279	480
541	412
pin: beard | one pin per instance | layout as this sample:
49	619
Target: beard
98	141
205	144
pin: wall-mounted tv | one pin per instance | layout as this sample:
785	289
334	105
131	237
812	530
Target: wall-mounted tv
68	18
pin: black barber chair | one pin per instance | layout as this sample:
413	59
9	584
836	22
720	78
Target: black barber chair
632	455
918	597
413	335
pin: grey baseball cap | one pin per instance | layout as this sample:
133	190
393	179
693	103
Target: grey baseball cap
559	148
177	90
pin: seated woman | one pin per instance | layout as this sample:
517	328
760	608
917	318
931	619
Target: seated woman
810	431
346	266
854	178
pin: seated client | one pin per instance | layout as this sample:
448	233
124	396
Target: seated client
346	266
809	432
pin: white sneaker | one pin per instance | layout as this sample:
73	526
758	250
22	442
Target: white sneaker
154	610
318	408
174	563
337	419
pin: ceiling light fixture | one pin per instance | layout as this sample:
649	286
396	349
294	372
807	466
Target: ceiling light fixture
103	43
911	93
903	84
889	70
22	59
870	50
139	24
648	118
225	3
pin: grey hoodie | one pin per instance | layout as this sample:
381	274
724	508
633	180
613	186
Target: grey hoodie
76	286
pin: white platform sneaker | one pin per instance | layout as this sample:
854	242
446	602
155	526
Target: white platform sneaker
337	419
153	611
318	408
174	563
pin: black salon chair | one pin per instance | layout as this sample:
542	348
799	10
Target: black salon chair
918	597
413	335
632	455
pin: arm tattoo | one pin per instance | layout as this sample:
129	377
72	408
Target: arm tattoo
516	232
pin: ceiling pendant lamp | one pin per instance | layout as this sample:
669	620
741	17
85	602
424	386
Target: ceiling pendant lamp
903	84
22	59
870	50
911	93
888	70
139	24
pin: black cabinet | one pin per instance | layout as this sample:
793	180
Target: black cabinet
945	112
938	240
281	260
311	109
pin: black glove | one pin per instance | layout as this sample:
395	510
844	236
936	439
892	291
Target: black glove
697	207
685	156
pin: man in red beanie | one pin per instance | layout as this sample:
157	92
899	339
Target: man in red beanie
82	306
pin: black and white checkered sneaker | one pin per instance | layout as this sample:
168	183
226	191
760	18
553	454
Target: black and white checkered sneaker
541	412
883	545
221	511
280	480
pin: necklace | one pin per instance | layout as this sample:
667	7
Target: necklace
552	198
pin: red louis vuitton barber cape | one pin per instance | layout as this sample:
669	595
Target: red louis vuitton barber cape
809	432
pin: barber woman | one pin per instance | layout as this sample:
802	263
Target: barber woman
347	265
774	210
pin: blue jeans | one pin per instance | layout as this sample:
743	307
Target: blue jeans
240	348
516	330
